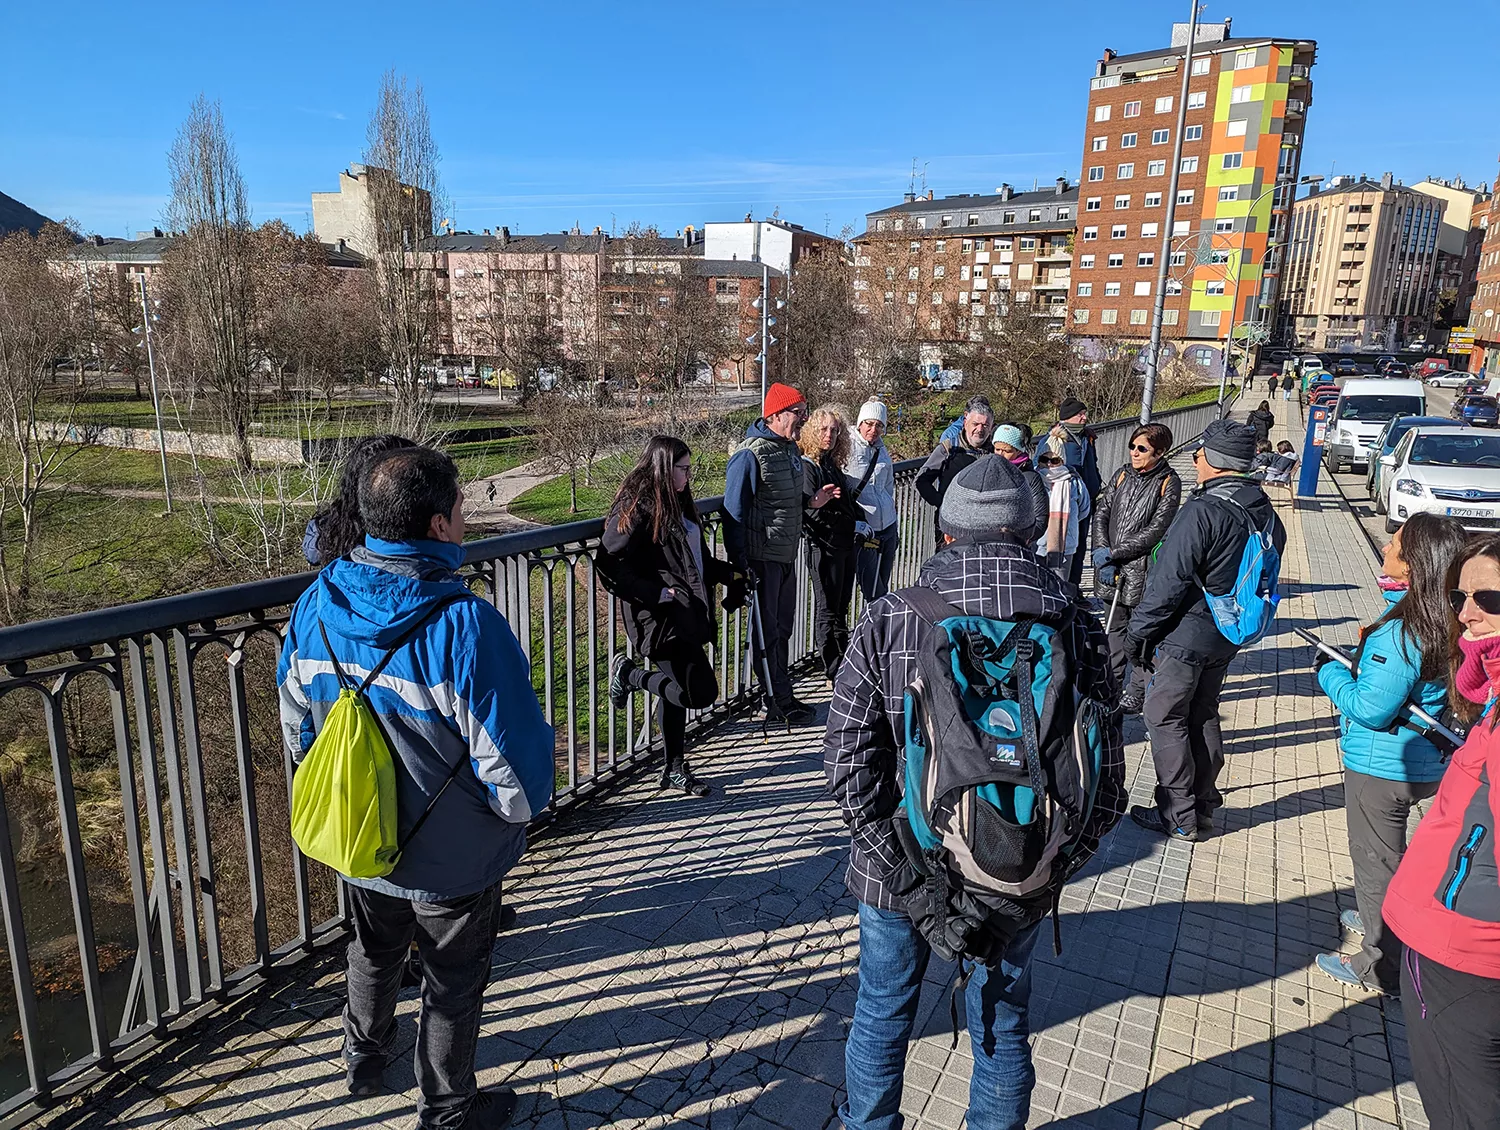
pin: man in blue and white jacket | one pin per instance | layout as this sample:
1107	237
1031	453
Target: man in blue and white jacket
456	694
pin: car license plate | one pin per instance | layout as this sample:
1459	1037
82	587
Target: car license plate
1468	512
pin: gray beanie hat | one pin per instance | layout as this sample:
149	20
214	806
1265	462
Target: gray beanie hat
986	498
1229	446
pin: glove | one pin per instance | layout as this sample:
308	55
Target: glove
1320	657
752	582
1107	574
1140	653
861	529
1101	556
734	594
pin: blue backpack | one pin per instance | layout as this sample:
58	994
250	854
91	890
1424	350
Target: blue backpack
1005	738
1244	613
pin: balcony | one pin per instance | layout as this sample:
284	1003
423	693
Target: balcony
1053	282
1054	255
1295	107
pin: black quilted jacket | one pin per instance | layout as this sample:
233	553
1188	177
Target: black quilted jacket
1132	516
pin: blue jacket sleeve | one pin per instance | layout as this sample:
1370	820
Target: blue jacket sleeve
953	431
741	481
1387	678
510	742
296	712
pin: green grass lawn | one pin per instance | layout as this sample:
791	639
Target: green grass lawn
547	503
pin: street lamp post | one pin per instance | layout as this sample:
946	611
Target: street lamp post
763	336
161	438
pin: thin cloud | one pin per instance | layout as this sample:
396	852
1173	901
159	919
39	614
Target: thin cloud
336	115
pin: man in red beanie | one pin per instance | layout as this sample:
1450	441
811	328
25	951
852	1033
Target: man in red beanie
763	531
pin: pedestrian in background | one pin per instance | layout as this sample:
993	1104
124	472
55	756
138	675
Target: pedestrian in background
951	456
1263	419
1444	902
1131	519
1010	442
831	545
877	530
1389	764
1288	382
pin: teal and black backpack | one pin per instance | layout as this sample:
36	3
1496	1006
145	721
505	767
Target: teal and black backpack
1006	732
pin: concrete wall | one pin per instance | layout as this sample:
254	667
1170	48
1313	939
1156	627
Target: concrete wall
263	449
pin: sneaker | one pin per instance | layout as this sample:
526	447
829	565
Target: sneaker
1132	703
1149	818
683	781
1351	921
797	712
364	1076
620	668
1337	966
492	1109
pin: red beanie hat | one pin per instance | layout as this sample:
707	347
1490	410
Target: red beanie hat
779	398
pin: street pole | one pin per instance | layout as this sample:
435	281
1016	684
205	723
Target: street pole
161	438
765	312
1165	257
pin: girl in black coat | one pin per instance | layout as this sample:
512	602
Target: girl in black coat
1264	420
655	558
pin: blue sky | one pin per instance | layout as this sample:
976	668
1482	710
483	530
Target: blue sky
674	112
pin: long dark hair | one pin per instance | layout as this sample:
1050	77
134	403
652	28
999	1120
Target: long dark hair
648	490
1265	405
340	527
1429	543
1488	545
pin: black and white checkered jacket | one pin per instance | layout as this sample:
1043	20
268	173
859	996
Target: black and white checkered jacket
862	749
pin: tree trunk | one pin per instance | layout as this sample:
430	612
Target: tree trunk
572	492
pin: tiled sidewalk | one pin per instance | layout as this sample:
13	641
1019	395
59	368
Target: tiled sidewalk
686	962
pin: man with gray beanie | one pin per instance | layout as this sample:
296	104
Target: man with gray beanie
1173	635
986	568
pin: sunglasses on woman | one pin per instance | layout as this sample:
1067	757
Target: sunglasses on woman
1144	449
1487	599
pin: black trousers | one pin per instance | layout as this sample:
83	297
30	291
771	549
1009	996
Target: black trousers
1182	718
833	572
1376	811
1130	680
777	596
455	940
1453	1031
683	680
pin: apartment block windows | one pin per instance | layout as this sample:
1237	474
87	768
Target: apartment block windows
1182	227
968	245
1010	217
1213	288
1127	141
1117	232
1210	317
913	272
1244	60
1169	317
1241	94
1179	258
1080	316
890	272
1108	317
1160	136
973	220
1142	287
1202	66
1236	127
1116	260
939	245
1185	196
1122	202
1229	192
1190	164
911	298
937	298
1125	171
1111	290
1132	110
1028	243
1149	231
1138	317
1193	133
914	246
1156	168
1096	172
880	225
1086	261
1197	99
1164	104
1034	216
1085	290
946	222
1065	213
938	271
1100	144
1153	200
1101	113
1146	259
1233	160
1173	287
1093	204
1090	234
1224	225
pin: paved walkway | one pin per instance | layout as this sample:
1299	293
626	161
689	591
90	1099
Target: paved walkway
684	962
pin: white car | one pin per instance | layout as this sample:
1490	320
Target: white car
1449	378
1450	471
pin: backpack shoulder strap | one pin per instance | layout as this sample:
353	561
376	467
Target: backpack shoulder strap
404	638
926	604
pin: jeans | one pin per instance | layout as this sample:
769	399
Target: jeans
683	680
455	940
1286	394
874	565
892	960
832	572
1187	745
1376	811
776	597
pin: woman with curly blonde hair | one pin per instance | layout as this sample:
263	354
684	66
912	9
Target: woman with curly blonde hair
831	545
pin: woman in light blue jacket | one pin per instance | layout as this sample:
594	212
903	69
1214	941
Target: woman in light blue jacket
1389	765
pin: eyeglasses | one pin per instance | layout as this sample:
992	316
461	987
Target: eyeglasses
1197	453
1487	599
1144	449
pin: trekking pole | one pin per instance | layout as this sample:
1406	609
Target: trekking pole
1339	656
758	627
1109	621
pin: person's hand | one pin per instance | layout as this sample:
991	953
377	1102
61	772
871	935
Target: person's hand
1107	574
668	595
1140	653
1101	556
861	529
826	494
734	593
1320	657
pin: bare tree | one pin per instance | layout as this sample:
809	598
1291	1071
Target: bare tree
1015	358
39	322
517	319
209	269
819	328
401	159
573	432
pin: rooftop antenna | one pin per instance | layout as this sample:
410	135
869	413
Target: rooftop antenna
911	185
611	225
924	177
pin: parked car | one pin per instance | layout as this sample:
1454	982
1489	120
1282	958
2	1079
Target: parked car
1277	356
1363	408
1383	360
1450	471
1395	369
1377	476
1445	378
1476	386
1429	366
1310	362
1345	367
1480	411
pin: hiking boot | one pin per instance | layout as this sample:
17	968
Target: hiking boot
620	669
681	778
1337	966
506	920
1351	921
1132	703
364	1076
492	1109
797	712
1149	818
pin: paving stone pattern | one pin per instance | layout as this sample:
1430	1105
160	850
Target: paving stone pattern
683	962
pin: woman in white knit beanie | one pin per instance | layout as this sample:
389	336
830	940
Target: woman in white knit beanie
870	463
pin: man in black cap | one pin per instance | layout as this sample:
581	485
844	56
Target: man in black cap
1173	634
1072	439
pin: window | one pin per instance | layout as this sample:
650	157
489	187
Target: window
1179	259
946	222
1243	60
1111	290
1127	141
1132	110
1202	66
1190	164
940	245
1182	227
973	220
1233	160
1148	231
1065	213
1224	225
1101	113
1085	290
880	225
1096	172
1210	317
1169	317
911	298
1122	202
1125	171
1108	317
1080	316
1090	234
1236	128
1153	200
938	271
890	272
1185	196
1156	168
913	273
1193	133
1138	317
1229	192
937	298
1100	144
980	244
921	221
1197	99
1145	259
1010	217
1028	243
1116	260
1086	261
1142	287
978	271
1173	287
1160	136
1034	216
968	245
1117	232
914	246
1092	204
1164	104
1240	94
1213	288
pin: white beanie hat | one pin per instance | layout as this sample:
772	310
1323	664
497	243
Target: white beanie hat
872	410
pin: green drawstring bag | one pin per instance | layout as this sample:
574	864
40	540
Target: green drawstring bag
344	792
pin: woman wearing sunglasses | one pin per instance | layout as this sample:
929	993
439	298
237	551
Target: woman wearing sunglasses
1388	765
1444	902
1138	504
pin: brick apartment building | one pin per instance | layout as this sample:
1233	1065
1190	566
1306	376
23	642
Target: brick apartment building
1247	105
938	266
1484	312
1361	263
1458	245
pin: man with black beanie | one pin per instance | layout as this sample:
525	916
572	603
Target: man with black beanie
1173	634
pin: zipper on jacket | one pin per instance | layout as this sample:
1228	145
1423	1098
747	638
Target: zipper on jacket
1462	866
1416	978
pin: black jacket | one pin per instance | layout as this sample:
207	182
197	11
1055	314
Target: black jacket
1041	500
636	568
942	466
1263	420
1132	516
1203	545
830	526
